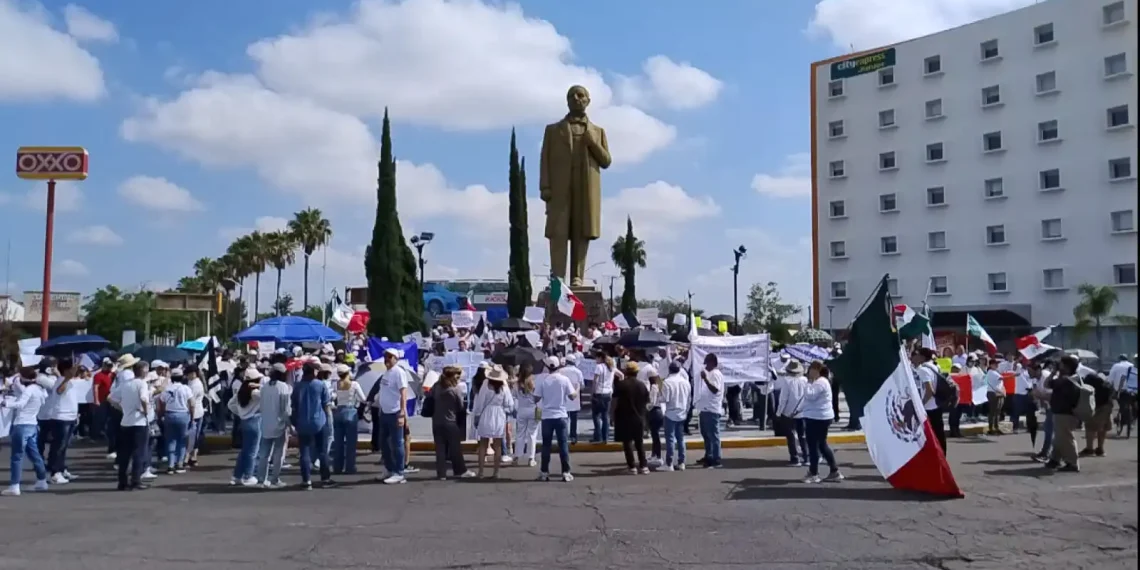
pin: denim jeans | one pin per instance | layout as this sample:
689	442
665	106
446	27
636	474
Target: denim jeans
794	432
312	444
59	438
194	435
1047	434
600	408
250	438
1018	408
99	420
24	442
573	426
709	422
270	453
815	431
552	429
344	440
392	443
114	426
176	427
656	420
674	437
132	441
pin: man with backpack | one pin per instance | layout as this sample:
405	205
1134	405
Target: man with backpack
1071	400
929	378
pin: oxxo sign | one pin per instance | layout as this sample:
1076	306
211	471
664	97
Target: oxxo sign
51	162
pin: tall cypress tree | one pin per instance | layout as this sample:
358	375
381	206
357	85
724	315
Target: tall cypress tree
386	261
516	198
524	238
629	272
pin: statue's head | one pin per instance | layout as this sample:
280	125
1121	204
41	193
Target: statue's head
577	99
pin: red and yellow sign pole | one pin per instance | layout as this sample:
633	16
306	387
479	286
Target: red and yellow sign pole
50	163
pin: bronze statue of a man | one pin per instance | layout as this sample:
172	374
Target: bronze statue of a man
574	152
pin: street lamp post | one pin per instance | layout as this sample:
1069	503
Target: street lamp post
612	278
830	329
739	253
418	242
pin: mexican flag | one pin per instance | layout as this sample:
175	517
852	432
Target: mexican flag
567	303
910	323
876	375
975	330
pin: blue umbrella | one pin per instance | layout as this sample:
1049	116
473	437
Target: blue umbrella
288	329
198	345
67	345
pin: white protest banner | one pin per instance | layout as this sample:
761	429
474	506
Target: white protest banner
464	319
129	338
85	389
266	347
468	361
451	344
680	319
587	367
647	316
7	414
28	346
662	324
534	314
739	358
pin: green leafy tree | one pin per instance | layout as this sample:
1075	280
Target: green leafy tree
311	230
283	305
309	313
628	253
110	311
388	261
768	313
1095	306
518	274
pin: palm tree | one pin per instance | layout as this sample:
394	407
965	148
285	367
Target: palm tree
239	262
280	252
1096	303
311	230
618	253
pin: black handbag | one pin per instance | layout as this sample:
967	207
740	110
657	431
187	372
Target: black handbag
427	410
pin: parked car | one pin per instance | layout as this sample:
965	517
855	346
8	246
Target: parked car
441	300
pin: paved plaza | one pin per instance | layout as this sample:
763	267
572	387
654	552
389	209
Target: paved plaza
755	514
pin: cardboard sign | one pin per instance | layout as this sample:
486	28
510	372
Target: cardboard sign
944	364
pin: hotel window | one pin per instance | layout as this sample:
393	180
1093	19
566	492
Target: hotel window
936	241
939	285
888	203
1120	169
1118	116
837	209
991	142
932	65
893	288
1115	65
1053	278
995	235
994	188
886	118
835	129
887	161
935	152
889	245
1048	131
838	249
1049	179
838	289
1043	35
991	95
835	89
1124	274
936	196
1051	229
997	283
886	77
990	50
1113	13
836	169
1046	82
934	109
1122	222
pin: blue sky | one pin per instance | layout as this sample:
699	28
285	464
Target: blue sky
206	120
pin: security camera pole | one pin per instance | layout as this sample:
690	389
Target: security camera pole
419	241
739	253
50	163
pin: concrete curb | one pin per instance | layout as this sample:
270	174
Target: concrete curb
222	442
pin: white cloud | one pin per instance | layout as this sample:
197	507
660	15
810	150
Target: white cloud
85	26
41	63
71	268
785	260
68	196
158	194
867	24
660	211
792	180
669	84
94	235
270	224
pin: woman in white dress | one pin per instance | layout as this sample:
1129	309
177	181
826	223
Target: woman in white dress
491	406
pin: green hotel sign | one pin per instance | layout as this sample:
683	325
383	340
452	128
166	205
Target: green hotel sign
865	63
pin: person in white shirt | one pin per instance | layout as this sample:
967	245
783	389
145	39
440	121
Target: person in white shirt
176	406
23	433
960	357
570	370
600	399
245	405
1123	377
132	397
995	396
349	398
818	415
710	403
655	418
392	401
62	409
676	396
789	412
276	409
528	416
927	373
551	395
197	415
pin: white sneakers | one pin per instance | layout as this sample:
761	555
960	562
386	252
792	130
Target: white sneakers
532	463
395	479
14	490
148	475
249	482
59	479
112	456
566	477
67	475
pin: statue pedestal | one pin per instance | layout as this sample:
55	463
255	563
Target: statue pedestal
597	308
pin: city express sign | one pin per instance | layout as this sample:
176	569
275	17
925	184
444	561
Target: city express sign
863	64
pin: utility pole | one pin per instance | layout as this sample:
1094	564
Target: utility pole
419	241
739	253
612	278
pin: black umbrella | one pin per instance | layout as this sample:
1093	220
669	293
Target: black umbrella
512	325
68	345
519	354
643	338
168	354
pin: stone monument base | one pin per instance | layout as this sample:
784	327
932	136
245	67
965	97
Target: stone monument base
597	309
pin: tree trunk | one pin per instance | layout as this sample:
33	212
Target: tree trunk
277	302
256	296
305	306
1099	346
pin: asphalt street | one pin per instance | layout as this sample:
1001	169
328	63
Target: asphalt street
755	513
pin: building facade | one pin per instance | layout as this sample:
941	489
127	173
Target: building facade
989	169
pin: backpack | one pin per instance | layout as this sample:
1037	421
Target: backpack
427	409
1086	400
946	391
